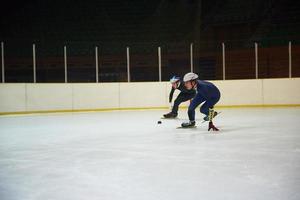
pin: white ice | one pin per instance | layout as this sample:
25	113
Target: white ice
127	155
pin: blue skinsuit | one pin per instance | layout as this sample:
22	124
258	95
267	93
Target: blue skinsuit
206	92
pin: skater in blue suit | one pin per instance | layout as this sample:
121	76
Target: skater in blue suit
208	93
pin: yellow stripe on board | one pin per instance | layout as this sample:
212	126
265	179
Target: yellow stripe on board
142	108
81	110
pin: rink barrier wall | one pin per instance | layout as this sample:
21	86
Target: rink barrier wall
30	98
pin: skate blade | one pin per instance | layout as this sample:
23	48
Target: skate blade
190	127
169	118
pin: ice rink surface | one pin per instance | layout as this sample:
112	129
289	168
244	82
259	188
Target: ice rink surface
127	155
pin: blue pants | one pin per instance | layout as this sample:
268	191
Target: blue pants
209	103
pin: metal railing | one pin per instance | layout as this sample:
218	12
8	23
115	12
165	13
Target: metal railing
158	64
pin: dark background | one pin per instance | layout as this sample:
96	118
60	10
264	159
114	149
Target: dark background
143	25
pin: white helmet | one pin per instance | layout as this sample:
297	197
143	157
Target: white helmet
190	76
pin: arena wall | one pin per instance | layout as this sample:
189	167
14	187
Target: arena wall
63	97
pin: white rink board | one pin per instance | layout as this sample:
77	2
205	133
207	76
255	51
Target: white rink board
241	92
20	97
281	91
12	97
93	96
143	95
42	97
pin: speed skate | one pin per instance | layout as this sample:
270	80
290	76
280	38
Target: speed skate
190	127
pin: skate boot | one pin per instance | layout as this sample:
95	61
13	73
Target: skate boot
170	115
188	124
206	118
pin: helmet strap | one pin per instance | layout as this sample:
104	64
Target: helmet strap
194	84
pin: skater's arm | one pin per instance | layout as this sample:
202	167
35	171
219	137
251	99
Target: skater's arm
171	95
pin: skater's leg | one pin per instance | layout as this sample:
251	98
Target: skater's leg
177	102
209	104
191	111
194	104
182	97
207	109
174	112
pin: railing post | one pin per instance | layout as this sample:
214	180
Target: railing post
290	59
128	64
191	57
34	62
256	60
223	56
159	64
66	64
97	66
2	62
